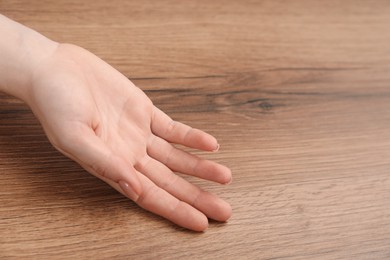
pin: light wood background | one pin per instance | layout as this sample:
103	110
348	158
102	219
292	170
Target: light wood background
297	92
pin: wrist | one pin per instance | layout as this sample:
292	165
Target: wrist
20	55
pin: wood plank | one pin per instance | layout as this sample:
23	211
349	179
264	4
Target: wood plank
297	93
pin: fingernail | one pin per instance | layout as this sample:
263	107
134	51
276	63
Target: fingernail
229	182
217	148
126	188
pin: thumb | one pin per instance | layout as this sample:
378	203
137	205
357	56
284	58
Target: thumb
94	156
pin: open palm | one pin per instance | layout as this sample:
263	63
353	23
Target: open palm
97	117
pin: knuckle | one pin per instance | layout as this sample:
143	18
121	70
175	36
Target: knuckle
197	165
196	197
175	207
170	127
168	156
187	134
169	183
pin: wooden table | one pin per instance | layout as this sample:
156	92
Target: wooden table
297	92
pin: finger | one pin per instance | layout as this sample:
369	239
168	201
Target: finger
181	161
212	206
91	153
176	132
160	202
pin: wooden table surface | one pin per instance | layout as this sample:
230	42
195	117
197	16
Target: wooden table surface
297	92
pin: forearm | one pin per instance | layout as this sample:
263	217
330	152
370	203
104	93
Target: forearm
21	52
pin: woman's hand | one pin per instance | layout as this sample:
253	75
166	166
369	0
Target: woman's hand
97	117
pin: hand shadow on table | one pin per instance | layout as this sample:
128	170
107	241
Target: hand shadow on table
50	180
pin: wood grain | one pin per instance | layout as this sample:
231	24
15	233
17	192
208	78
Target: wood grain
297	93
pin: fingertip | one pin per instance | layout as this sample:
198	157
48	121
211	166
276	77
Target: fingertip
224	175
197	221
205	142
213	144
225	212
228	177
190	218
201	225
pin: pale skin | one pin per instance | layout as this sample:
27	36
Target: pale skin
94	115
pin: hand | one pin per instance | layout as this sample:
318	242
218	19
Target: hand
97	117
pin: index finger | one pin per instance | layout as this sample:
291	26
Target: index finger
175	132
